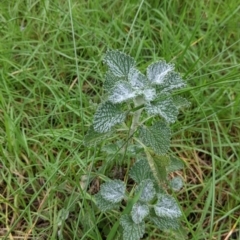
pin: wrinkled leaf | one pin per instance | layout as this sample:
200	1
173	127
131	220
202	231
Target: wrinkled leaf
149	94
110	81
173	81
167	206
118	62
157	137
157	72
164	107
147	189
121	92
137	79
131	230
113	191
105	205
164	223
141	171
139	212
107	116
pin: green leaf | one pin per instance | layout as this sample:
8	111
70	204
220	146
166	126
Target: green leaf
113	191
139	212
158	166
141	171
92	137
118	62
111	148
164	223
176	183
105	205
158	71
147	189
149	94
173	81
137	79
157	137
110	81
175	164
167	206
164	107
121	92
131	230
107	116
180	102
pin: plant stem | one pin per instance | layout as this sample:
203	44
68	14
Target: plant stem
136	116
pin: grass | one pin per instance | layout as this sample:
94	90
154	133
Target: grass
51	78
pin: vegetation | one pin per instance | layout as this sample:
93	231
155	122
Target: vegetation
52	81
137	101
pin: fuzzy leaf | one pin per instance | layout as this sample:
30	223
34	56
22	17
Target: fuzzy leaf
149	94
107	116
141	171
158	71
173	81
118	62
157	137
167	206
164	223
164	107
180	102
92	137
121	92
139	212
176	183
175	164
113	191
148	190
131	230
137	79
105	205
158	165
110	81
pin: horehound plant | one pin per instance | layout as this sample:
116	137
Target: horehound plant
145	106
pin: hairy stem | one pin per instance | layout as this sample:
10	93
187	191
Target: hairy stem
136	116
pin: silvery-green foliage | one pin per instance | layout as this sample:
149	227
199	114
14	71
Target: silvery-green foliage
129	93
147	190
151	202
157	137
113	191
105	205
131	230
119	63
107	116
167	206
176	183
139	212
124	83
121	92
141	171
164	223
163	107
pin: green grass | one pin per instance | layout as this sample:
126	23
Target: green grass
51	77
